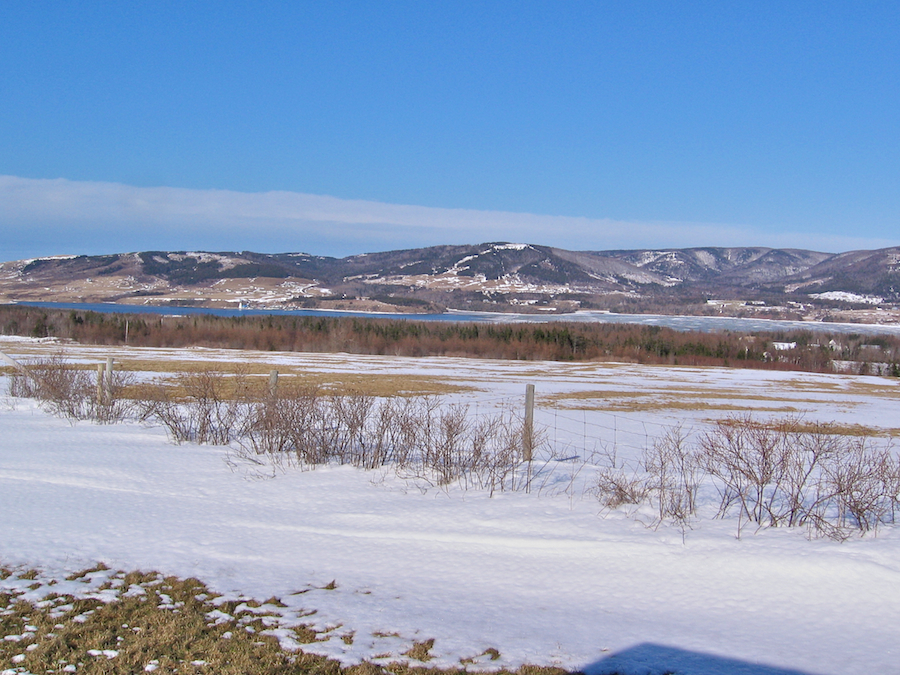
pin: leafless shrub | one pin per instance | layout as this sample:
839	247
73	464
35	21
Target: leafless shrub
497	459
274	423
672	469
744	456
160	405
391	433
21	385
417	437
444	445
782	474
72	392
61	389
617	488
771	474
445	456
203	407
114	404
862	481
810	450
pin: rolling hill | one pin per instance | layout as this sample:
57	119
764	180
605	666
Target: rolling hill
496	276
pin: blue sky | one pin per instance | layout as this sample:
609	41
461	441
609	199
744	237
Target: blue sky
343	127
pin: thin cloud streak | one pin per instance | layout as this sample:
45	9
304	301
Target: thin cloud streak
56	216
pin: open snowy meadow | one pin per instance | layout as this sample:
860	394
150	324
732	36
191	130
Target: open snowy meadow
541	566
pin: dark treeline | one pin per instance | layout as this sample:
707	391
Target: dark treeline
557	341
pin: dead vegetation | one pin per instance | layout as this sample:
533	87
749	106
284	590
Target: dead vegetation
781	473
416	437
294	424
167	625
831	479
651	399
75	393
165	628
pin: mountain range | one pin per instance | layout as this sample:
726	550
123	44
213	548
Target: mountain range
491	276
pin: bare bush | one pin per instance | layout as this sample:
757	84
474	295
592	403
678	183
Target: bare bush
672	469
616	488
779	473
69	391
862	482
273	423
495	457
61	389
114	404
203	407
417	437
782	474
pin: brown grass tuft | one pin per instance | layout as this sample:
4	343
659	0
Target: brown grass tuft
420	651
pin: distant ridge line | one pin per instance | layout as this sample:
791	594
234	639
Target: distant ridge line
493	276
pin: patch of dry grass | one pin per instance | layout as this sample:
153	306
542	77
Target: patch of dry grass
490	654
696	399
256	375
99	567
256	380
857	388
163	630
723	399
801	426
421	651
253	365
173	625
695	406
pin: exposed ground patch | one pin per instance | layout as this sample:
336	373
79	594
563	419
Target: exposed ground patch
117	623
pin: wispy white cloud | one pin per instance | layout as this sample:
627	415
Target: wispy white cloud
44	217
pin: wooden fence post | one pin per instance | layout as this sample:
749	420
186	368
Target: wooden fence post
528	431
273	383
100	379
109	378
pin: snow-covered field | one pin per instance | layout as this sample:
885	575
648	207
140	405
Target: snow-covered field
547	577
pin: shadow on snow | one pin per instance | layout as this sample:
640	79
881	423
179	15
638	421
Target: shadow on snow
652	659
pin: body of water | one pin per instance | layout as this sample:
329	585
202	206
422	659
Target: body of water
681	323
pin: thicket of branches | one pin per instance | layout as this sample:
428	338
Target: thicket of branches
551	341
415	437
780	473
766	474
71	392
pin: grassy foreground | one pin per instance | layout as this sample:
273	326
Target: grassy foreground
143	622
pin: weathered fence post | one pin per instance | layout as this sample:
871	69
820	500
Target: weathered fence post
100	379
109	378
273	383
528	431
